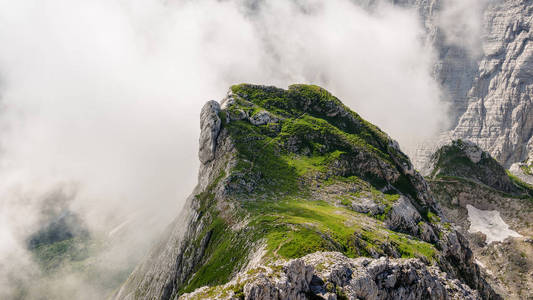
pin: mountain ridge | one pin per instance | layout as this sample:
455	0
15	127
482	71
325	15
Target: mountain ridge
294	172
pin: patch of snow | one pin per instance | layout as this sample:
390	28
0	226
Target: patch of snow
490	223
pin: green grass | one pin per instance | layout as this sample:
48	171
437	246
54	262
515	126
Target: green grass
432	217
289	243
527	169
292	228
305	140
525	187
305	164
345	200
410	248
52	256
225	253
315	102
259	160
309	226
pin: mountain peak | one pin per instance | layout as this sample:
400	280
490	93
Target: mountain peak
464	159
302	131
288	173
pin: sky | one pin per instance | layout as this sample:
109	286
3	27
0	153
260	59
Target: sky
100	100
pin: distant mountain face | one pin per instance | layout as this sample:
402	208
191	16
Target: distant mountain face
486	76
292	187
492	209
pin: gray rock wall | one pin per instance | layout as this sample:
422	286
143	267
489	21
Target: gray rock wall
499	116
489	89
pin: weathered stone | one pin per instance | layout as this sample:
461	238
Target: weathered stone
489	91
366	205
329	275
403	217
210	127
263	117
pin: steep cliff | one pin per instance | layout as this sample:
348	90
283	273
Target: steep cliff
489	88
500	112
289	173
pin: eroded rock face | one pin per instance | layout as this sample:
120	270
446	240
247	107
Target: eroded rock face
403	217
524	170
499	117
331	275
262	118
210	127
490	92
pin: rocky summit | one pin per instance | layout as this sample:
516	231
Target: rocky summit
466	160
298	197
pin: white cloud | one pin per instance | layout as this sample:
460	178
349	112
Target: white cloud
461	21
105	95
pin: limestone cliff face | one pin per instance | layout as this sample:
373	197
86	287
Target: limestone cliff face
489	92
499	116
289	173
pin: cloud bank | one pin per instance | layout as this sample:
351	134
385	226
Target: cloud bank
461	21
103	97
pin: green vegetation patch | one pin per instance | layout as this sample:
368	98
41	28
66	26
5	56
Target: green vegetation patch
52	256
527	169
226	253
299	227
452	161
314	131
432	217
292	228
259	160
315	138
304	164
525	187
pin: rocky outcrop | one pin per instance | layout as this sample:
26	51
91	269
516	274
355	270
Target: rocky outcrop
210	127
331	275
404	217
524	170
466	160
